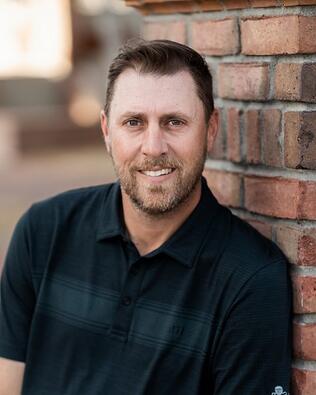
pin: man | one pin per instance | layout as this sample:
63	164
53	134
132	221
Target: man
148	285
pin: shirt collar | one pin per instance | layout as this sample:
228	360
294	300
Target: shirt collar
111	219
183	245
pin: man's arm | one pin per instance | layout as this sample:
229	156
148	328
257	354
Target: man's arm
17	301
11	376
253	355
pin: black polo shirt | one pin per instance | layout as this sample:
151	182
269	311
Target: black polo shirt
208	312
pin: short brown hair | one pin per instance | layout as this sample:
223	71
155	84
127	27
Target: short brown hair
162	57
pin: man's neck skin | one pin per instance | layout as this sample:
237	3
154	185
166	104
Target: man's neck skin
150	232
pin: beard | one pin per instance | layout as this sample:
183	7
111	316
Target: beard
156	200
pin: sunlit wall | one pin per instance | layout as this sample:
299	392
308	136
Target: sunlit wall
35	38
54	55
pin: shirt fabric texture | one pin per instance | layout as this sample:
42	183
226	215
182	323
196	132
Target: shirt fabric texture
207	313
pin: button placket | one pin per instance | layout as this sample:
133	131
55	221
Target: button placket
126	301
125	310
134	270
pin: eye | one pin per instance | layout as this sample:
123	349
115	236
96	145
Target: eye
132	122
175	122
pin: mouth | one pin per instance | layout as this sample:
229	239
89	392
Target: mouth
157	173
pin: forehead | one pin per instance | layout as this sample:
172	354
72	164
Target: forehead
152	93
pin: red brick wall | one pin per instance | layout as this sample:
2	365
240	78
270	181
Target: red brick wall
263	57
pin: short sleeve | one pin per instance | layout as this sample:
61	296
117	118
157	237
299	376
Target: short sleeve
17	297
253	355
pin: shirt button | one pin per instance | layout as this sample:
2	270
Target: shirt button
126	301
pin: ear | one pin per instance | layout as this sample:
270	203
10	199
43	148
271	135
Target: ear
212	130
105	130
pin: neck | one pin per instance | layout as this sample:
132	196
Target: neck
148	232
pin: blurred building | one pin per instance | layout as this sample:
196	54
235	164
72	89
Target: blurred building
53	63
54	56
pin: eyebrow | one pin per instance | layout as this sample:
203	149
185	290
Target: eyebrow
132	114
174	114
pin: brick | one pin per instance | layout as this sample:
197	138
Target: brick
225	186
174	6
300	139
305	2
288	81
235	4
162	7
304	294
296	82
291	3
162	1
216	37
269	35
307	201
209	5
280	197
307	28
307	248
288	34
304	336
287	239
269	196
263	3
243	81
218	150
303	382
299	245
271	130
233	134
165	30
253	136
308	81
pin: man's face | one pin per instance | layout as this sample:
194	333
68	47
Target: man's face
158	139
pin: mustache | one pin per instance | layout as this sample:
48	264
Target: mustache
148	164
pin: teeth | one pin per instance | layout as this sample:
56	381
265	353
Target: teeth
157	173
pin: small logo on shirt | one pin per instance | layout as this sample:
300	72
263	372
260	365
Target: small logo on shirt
278	390
176	331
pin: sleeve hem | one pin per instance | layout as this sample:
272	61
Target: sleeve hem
9	352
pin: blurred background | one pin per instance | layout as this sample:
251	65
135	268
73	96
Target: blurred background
54	56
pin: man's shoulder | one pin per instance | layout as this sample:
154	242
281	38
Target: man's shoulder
246	243
245	251
74	197
246	262
72	202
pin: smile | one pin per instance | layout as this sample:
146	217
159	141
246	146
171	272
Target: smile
157	173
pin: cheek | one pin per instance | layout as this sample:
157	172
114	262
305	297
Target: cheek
190	147
123	150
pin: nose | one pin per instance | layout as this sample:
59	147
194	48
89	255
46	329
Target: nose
154	143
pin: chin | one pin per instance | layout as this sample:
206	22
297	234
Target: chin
158	202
